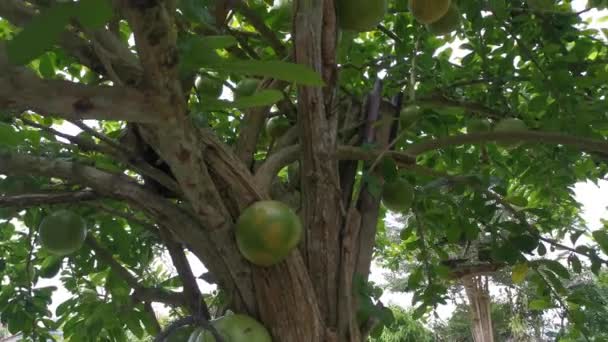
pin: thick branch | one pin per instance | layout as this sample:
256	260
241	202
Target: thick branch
31	200
21	89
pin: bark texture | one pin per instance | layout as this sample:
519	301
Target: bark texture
478	294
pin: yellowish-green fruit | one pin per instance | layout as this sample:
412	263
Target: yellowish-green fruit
428	11
234	328
511	125
448	23
541	5
398	195
478	126
360	15
209	87
246	87
267	231
409	115
62	232
277	126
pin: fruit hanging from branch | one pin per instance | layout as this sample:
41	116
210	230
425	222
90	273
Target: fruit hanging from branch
267	231
360	15
511	125
233	328
277	126
398	195
409	115
428	11
62	232
246	87
446	24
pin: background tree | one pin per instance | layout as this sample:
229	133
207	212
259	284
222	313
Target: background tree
167	166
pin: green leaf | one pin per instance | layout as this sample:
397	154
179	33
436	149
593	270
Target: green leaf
39	35
134	325
525	243
415	279
93	14
519	273
540	304
556	267
259	99
542	250
284	71
389	169
8	135
601	237
575	263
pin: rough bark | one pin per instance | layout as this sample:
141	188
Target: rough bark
478	294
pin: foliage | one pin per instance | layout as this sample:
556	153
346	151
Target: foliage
404	329
65	62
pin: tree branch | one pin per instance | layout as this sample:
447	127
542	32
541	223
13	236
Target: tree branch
195	301
140	293
31	200
21	89
261	27
586	144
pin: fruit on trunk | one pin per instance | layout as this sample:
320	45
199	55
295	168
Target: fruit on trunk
246	87
409	115
478	126
267	232
277	126
234	328
446	24
398	195
428	11
209	87
360	15
62	232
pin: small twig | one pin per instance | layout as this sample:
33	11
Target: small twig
101	137
190	320
389	33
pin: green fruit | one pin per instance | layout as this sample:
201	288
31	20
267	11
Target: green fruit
446	24
360	15
398	195
511	125
277	126
234	328
209	87
267	232
541	5
246	87
478	126
62	232
428	11
409	115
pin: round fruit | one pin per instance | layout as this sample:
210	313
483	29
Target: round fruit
277	126
234	328
62	232
267	232
409	115
209	87
446	24
360	15
246	87
428	11
398	195
478	126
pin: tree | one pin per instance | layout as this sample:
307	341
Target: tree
404	329
166	166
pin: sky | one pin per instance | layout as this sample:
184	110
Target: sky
593	198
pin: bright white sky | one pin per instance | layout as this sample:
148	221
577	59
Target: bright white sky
593	198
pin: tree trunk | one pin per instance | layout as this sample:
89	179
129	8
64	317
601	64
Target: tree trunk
478	294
